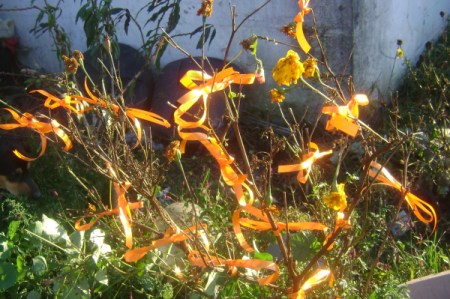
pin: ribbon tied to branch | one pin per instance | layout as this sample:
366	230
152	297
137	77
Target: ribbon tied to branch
343	118
27	120
423	210
304	10
304	167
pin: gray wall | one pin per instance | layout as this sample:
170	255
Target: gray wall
359	36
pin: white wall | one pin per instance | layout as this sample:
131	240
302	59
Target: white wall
267	23
376	27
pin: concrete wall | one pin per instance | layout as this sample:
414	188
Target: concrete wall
359	35
377	27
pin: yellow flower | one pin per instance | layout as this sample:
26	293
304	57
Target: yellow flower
336	200
288	69
206	9
310	66
71	64
289	30
400	53
78	55
172	152
276	96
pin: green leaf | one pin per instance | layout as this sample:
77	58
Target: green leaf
5	250
167	291
53	229
82	12
20	263
102	276
8	275
209	30
115	10
264	256
77	240
12	229
34	295
39	265
174	17
127	21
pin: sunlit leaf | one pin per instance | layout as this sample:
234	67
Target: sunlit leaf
101	276
12	229
39	265
265	256
53	229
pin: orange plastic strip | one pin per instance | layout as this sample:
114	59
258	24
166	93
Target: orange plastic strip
343	118
304	10
417	205
138	253
199	260
53	102
264	224
220	81
133	113
304	167
341	222
83	227
124	212
27	120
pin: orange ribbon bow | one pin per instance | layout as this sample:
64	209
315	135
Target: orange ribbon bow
27	120
133	113
123	209
83	227
305	166
266	225
417	205
220	81
169	237
200	260
53	102
343	117
304	10
210	84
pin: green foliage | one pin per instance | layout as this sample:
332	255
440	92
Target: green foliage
50	25
424	108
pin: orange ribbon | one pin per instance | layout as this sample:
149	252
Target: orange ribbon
133	113
27	120
53	102
319	276
305	166
98	216
220	81
123	209
304	10
343	118
169	237
201	260
417	205
265	224
341	222
210	84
